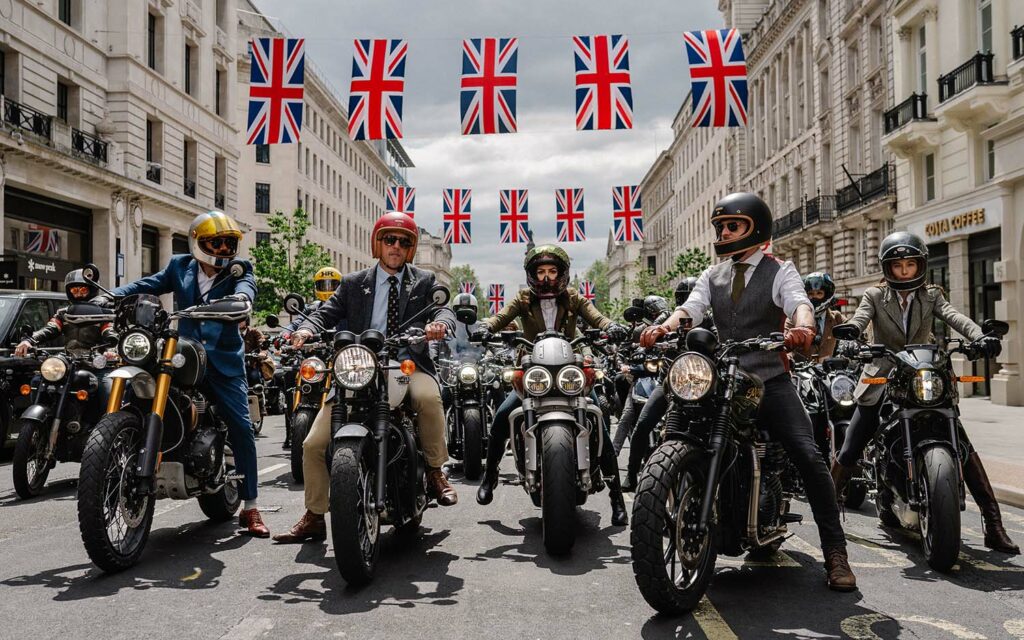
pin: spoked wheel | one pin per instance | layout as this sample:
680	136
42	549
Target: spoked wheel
113	517
223	504
940	508
30	466
355	523
672	565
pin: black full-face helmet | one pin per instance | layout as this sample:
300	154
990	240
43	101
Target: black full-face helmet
741	207
903	245
654	306
465	308
820	281
684	289
78	288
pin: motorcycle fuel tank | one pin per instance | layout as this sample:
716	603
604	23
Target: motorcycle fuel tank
551	352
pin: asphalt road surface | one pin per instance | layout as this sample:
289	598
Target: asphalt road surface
473	572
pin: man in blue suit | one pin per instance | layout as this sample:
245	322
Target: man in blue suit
201	278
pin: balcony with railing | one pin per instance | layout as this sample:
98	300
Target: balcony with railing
789	223
189	187
154	173
819	209
908	127
192	16
866	189
27	119
970	95
1017	42
89	147
218	200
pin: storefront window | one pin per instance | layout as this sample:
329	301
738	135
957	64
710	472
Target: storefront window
938	274
150	251
983	252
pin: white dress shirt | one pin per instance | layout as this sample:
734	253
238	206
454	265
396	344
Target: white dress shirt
787	289
906	305
549	307
205	282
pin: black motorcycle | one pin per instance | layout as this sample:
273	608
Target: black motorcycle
378	474
915	459
714	483
467	380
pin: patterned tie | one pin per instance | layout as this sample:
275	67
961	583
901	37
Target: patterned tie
739	282
392	328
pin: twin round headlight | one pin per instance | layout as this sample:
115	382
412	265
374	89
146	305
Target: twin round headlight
355	366
53	369
570	380
691	377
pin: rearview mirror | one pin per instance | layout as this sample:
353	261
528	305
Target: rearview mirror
633	314
236	268
846	331
440	295
996	328
273	322
835	364
293	303
636	302
91	272
466	315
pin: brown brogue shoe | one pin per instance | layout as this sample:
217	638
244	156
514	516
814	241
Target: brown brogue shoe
311	526
440	489
251	521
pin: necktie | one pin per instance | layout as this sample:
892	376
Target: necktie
739	281
392	327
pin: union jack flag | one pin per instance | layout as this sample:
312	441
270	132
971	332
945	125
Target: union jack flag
275	90
402	199
467	287
569	215
604	97
42	239
587	290
627	214
514	216
496	297
718	77
378	82
488	95
456	215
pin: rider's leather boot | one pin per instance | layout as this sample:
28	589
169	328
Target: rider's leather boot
981	490
838	573
841	475
620	517
485	493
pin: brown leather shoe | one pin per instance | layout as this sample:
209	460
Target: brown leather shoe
837	568
252	522
311	526
439	488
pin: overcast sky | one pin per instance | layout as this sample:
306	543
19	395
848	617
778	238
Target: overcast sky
547	153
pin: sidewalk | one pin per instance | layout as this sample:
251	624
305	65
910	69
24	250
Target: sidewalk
997	433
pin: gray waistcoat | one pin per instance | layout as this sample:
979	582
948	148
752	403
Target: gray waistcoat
756	313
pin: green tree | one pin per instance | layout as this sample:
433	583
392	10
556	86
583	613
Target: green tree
691	263
598	274
465	273
286	263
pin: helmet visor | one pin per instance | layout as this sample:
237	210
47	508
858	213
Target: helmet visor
327	285
220	245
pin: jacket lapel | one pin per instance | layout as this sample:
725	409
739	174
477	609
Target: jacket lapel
404	291
369	284
536	315
891	303
915	316
561	308
190	284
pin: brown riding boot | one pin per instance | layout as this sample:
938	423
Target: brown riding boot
250	520
837	569
981	490
440	489
841	475
311	526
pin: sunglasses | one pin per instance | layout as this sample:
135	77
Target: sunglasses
79	292
402	241
733	226
217	243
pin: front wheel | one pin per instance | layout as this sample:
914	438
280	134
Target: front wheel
113	517
672	565
558	488
472	443
301	421
222	505
30	466
940	508
355	523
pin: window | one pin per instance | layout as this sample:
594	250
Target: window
990	159
824	85
853	65
263	153
262	197
922	62
189	153
154	42
62	101
262	236
220	91
928	173
875	44
3	72
985	25
154	150
190	70
64	11
856	149
220	165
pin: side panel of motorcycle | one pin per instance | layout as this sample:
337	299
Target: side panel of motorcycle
398	385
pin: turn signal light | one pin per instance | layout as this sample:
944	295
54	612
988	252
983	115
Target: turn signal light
308	372
971	378
82	395
25	389
517	381
408	367
874	380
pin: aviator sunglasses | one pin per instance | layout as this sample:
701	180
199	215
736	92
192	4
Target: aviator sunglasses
217	243
390	241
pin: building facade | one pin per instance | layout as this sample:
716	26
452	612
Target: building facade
115	132
435	255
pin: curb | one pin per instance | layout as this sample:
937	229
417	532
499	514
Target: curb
1006	494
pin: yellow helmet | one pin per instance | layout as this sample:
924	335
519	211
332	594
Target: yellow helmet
211	227
325	282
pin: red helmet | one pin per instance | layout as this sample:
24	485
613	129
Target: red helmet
395	221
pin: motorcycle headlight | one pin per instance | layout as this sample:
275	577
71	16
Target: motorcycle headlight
506	375
355	366
537	381
468	374
599	374
652	366
691	377
928	386
312	370
136	347
842	388
53	369
571	380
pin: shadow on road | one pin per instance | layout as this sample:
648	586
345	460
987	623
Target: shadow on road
65	489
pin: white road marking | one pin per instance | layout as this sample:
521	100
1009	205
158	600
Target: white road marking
780	559
1015	627
249	629
193	576
272	468
983	565
711	622
806	547
859	627
894	559
1006	513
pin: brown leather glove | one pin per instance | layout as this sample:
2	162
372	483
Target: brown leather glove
799	338
650	335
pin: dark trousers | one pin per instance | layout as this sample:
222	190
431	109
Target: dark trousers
783	416
651	414
863	426
231	395
627	419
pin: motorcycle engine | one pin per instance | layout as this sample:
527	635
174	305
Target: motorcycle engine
769	506
205	452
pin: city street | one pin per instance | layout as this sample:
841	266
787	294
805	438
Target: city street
474	571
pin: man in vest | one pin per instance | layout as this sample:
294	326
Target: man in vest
752	294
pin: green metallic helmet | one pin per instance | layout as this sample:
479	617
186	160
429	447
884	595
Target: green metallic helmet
547	254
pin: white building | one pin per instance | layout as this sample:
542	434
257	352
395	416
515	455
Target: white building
434	255
957	130
115	132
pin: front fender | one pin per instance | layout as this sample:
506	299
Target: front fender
143	384
37	413
351	430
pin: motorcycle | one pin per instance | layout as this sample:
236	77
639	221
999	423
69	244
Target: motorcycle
378	473
257	396
915	459
468	382
713	486
166	441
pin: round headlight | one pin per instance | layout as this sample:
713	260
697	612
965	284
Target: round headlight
506	375
599	374
136	347
691	376
928	386
570	380
312	370
537	381
53	369
468	374
842	388
354	367
99	361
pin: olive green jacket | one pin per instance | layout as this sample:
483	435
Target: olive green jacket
525	307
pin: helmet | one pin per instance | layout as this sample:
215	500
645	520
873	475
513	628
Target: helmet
547	254
465	307
746	207
820	281
684	289
325	281
654	306
395	221
210	226
902	245
76	280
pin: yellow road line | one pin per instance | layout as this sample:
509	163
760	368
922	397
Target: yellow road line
711	622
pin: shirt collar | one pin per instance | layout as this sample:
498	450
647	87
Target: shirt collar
755	258
382	275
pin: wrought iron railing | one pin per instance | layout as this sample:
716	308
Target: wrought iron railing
866	188
846	197
977	70
27	118
189	187
1017	39
819	209
218	200
913	108
792	221
154	174
88	145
